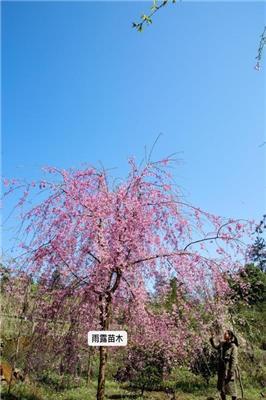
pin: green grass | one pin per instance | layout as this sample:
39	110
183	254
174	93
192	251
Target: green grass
114	391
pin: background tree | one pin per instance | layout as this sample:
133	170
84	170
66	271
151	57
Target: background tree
249	293
257	251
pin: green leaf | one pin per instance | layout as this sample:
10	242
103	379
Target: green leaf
155	5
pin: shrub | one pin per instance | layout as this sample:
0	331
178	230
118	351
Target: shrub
144	368
205	364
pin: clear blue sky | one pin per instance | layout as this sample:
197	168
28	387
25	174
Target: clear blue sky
80	85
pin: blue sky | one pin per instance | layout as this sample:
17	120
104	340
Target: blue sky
80	85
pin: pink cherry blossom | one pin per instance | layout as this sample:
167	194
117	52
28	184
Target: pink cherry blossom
108	243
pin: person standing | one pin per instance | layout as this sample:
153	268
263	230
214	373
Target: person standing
227	364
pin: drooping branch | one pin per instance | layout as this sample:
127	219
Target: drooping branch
156	256
147	19
94	257
129	286
260	49
210	239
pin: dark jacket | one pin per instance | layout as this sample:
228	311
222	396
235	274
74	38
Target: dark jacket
227	367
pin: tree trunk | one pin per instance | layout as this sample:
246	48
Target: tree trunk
89	370
105	314
102	369
105	303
